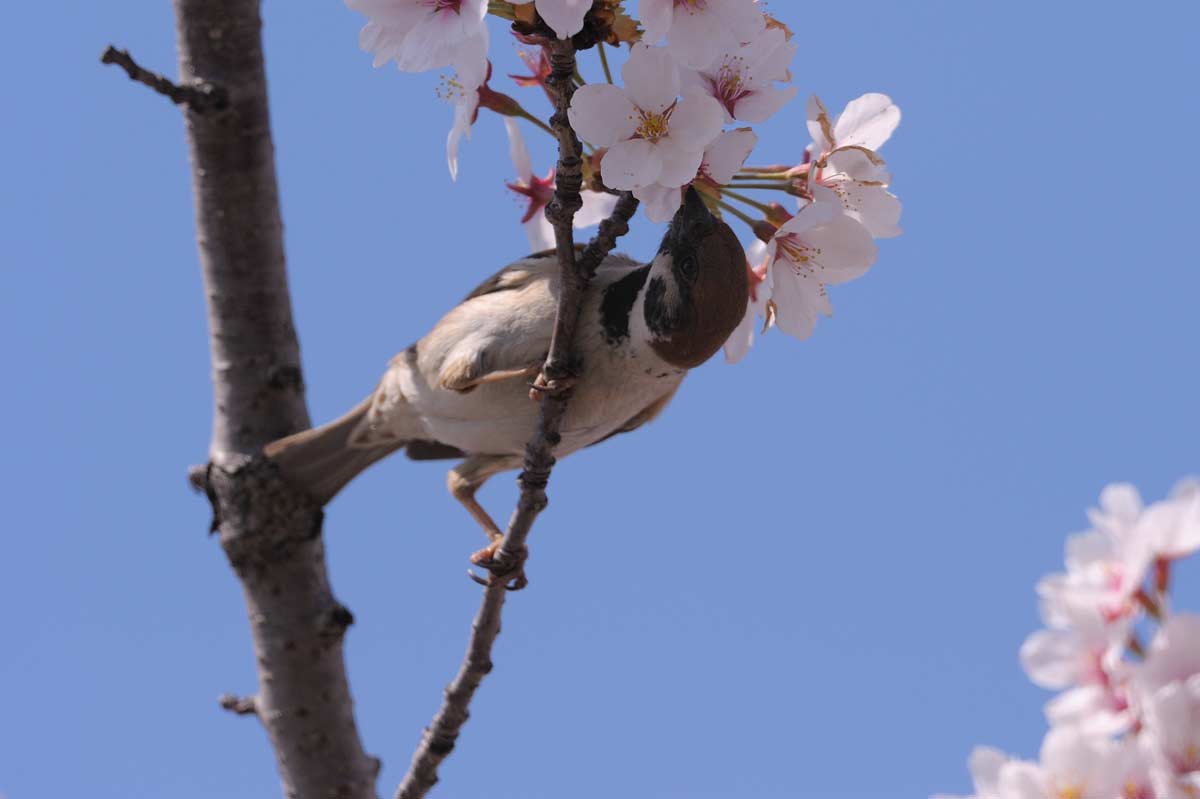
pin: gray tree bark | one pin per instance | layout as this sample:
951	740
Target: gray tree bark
270	533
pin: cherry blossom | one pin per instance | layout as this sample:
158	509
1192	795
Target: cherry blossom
651	135
818	246
539	191
1125	726
424	34
844	159
697	30
565	17
742	79
742	338
719	163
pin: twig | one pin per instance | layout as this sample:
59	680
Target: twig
239	705
440	736
200	96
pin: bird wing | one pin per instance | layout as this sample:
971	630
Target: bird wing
644	416
501	331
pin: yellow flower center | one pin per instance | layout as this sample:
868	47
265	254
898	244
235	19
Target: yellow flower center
654	126
799	253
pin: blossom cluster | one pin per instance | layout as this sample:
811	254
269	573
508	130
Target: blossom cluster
1126	724
697	75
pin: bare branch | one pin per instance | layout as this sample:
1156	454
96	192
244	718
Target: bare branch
239	705
201	97
555	382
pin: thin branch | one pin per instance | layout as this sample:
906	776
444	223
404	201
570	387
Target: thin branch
556	380
201	96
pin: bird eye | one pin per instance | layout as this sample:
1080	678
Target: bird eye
689	268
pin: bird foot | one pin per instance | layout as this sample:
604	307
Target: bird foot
507	569
542	385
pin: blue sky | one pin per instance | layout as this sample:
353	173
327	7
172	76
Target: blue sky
809	578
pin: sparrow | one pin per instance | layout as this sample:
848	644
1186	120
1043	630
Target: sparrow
462	391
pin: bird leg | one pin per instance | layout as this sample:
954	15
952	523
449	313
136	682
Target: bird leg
463	481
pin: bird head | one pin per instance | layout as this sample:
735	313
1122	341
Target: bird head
696	292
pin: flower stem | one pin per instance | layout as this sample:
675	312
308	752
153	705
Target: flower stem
750	201
604	62
736	212
761	176
765	186
526	115
1149	605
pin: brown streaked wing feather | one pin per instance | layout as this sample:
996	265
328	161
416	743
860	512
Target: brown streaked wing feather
516	275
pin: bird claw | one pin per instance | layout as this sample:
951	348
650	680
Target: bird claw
510	571
542	385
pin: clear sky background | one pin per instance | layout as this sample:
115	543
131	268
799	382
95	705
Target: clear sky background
809	578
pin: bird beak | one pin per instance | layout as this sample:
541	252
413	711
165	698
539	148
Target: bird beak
693	221
693	213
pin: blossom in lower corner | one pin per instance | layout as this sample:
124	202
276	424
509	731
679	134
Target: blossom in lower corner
819	246
697	30
423	34
652	136
719	163
565	17
742	78
539	191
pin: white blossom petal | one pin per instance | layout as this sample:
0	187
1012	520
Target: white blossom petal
679	165
602	114
655	16
867	121
660	202
540	233
630	164
697	120
517	151
725	156
651	78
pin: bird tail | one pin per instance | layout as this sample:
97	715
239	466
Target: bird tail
322	460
